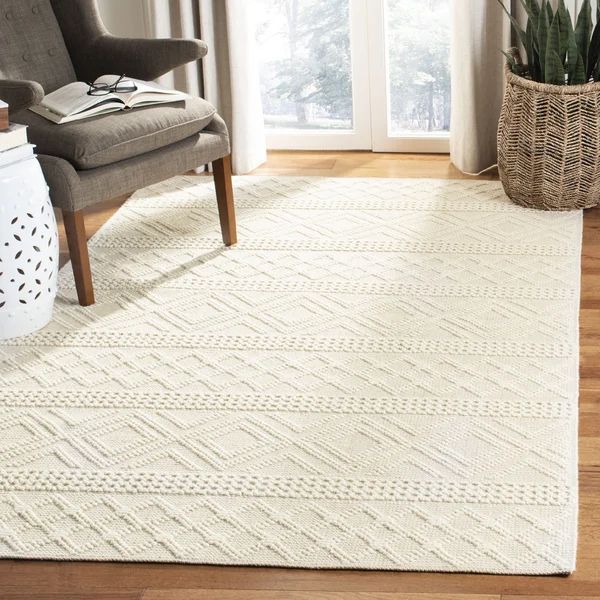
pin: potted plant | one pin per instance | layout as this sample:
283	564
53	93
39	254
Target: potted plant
549	129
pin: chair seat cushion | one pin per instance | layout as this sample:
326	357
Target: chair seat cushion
110	138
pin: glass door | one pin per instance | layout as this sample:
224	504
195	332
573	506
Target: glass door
355	74
410	74
313	64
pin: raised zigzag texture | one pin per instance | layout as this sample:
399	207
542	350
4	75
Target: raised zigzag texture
381	375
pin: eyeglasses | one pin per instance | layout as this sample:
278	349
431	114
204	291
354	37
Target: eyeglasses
120	85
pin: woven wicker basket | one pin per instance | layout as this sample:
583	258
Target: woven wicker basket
549	144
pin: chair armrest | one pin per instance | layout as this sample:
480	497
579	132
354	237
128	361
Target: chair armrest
63	181
217	125
140	58
20	93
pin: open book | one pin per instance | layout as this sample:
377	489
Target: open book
72	101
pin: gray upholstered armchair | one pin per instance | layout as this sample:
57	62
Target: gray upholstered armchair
45	44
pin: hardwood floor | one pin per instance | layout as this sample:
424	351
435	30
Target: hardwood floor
45	580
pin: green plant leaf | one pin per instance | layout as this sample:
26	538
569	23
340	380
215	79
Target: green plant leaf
596	72
530	48
518	29
542	36
579	76
572	54
553	47
510	59
515	67
564	21
555	73
549	12
583	30
594	51
536	71
532	8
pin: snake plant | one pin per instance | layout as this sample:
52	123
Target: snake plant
557	52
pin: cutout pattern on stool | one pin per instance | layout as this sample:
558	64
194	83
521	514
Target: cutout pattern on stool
28	249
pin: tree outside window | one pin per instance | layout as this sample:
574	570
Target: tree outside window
306	74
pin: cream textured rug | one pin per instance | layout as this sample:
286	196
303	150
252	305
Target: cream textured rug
381	375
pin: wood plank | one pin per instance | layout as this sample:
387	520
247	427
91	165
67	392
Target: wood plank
589	491
37	594
363	164
589	402
589	451
57	577
195	594
547	597
589	325
589	424
589	363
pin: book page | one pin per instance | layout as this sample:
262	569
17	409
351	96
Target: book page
99	109
148	92
74	98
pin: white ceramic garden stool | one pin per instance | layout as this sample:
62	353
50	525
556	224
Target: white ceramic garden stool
28	249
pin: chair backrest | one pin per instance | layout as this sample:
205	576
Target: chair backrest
32	45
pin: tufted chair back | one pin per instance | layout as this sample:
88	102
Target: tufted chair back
32	45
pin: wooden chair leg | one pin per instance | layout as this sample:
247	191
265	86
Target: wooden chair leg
224	188
78	250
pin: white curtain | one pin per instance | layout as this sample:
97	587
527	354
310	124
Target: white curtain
480	31
228	76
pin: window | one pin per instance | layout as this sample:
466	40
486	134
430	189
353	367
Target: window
309	74
361	74
306	76
418	47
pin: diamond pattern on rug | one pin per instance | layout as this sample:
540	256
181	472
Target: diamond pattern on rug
382	374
